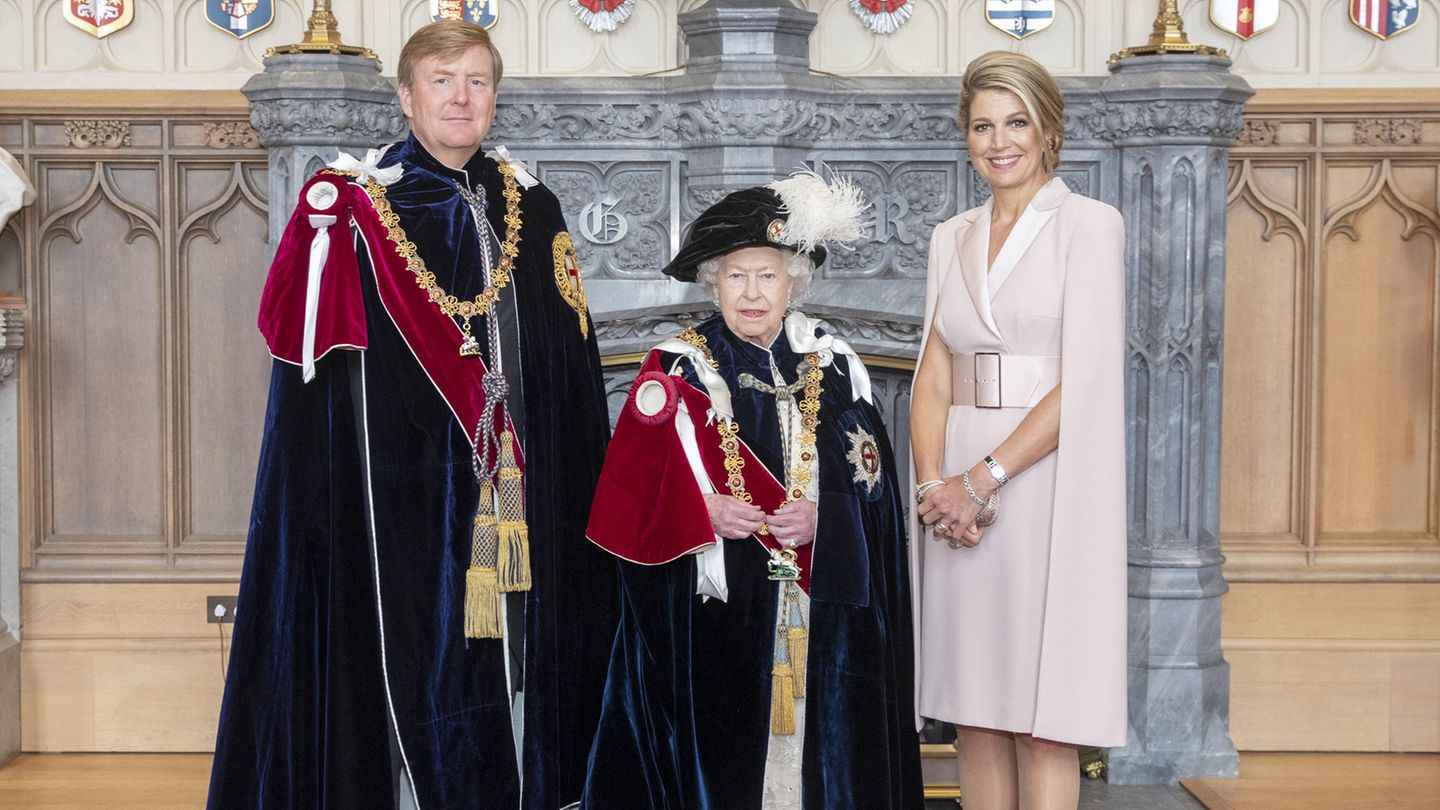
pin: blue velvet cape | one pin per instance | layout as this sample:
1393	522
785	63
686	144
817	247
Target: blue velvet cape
304	719
686	719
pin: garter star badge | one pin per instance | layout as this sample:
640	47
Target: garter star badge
864	458
567	278
1020	18
100	18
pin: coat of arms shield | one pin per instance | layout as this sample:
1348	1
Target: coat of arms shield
484	13
100	18
1244	18
1020	18
240	18
1385	18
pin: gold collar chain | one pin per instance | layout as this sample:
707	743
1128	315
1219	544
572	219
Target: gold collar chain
499	275
798	474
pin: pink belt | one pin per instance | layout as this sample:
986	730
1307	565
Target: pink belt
994	380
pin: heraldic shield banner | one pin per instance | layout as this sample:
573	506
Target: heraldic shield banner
100	18
882	16
484	13
1244	18
1385	18
1020	18
240	18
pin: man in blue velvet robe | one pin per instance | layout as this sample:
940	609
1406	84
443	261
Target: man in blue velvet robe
424	304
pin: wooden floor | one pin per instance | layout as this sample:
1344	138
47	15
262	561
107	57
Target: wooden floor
1268	782
1322	782
103	781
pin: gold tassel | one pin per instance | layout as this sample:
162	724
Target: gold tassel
782	701
514	552
514	556
482	596
482	604
796	637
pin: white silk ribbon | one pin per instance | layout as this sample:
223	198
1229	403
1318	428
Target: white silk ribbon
319	251
715	386
801	332
710	579
500	154
369	167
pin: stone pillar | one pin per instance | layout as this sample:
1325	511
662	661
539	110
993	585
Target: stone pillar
1173	118
11	340
747	71
307	107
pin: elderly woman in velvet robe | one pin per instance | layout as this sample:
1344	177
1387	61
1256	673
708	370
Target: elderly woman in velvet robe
764	654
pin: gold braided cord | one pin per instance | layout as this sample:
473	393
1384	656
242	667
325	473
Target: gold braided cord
499	275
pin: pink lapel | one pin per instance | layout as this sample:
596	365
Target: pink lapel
972	248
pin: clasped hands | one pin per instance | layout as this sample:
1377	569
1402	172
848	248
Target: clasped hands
792	525
946	508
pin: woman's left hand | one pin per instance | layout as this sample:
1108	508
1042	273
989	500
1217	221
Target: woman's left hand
951	506
793	524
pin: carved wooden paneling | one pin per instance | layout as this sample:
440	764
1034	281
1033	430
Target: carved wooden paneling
1332	398
1377	348
143	262
222	241
1263	323
99	308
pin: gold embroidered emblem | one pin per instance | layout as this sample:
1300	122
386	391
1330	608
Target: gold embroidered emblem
567	278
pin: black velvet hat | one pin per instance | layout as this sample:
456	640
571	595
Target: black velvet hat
799	213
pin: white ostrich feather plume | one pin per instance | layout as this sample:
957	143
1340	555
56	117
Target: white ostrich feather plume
819	212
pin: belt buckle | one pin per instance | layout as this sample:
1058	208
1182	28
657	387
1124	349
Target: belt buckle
987	391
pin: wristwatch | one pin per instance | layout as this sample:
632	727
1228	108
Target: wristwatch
997	471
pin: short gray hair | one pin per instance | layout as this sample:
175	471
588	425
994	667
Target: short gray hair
800	267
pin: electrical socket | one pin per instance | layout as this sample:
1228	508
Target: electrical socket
220	609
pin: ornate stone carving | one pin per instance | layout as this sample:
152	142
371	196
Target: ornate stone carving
908	200
650	327
711	118
12	339
1387	131
1160	119
111	134
282	120
902	122
702	198
875	330
1258	133
979	188
640	194
583	122
744	118
231	134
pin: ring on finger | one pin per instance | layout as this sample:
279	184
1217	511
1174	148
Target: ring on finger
941	527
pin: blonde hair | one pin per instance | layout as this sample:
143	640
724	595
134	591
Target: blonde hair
447	39
1029	81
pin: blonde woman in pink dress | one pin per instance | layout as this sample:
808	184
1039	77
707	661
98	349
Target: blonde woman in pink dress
1021	638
